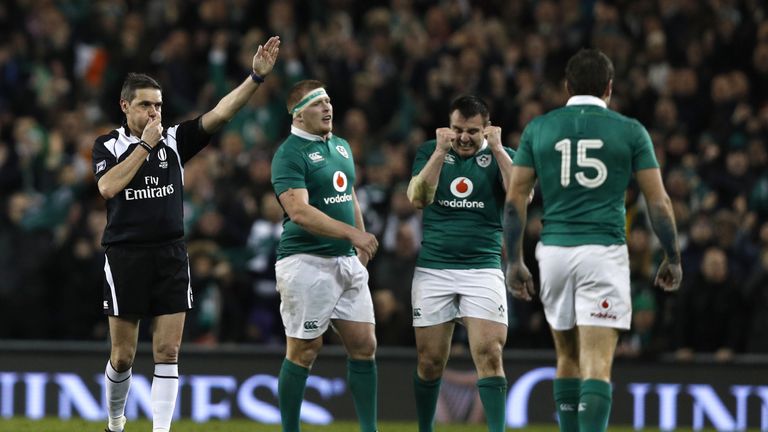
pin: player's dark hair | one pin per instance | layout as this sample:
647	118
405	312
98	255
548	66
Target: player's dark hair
470	106
300	89
588	73
136	81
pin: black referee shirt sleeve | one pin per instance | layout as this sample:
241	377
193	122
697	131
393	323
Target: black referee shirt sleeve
103	155
191	138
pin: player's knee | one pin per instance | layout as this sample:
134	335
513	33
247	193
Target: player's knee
121	363
167	352
430	366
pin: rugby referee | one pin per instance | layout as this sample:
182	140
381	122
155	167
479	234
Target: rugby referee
139	168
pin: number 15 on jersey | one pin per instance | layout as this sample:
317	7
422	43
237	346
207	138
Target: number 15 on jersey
582	161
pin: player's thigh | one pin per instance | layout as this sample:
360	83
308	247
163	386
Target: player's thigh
359	338
557	285
486	343
167	331
434	299
433	345
567	351
596	349
603	296
482	294
355	303
128	280
171	292
124	336
309	290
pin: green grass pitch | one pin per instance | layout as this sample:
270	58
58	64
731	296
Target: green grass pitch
56	425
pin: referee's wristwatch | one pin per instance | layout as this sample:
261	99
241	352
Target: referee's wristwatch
146	146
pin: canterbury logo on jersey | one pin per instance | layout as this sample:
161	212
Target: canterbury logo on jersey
461	187
311	325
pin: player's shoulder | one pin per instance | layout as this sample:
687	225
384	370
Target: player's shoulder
428	146
107	137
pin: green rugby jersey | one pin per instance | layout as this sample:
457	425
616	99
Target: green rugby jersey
462	226
584	156
327	171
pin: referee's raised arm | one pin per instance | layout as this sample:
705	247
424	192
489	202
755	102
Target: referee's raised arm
229	105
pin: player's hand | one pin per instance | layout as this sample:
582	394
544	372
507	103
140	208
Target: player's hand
493	135
445	138
266	56
520	281
153	131
669	276
365	244
363	257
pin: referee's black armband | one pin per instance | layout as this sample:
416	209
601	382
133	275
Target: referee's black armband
257	78
146	146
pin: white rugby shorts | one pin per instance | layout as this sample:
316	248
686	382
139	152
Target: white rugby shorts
585	285
442	295
315	289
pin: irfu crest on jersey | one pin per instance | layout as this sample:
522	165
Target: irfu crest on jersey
483	160
342	151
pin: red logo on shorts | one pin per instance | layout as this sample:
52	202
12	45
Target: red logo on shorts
604	305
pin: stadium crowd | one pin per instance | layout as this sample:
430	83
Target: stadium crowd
694	73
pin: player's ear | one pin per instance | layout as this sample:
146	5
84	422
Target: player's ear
124	106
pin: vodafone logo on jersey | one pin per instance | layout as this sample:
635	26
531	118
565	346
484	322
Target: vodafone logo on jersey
340	181
340	184
461	187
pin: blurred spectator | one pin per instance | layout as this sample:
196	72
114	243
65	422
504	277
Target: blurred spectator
708	316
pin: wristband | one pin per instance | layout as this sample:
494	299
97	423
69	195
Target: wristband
146	146
257	78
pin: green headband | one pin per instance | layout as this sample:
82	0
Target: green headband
307	100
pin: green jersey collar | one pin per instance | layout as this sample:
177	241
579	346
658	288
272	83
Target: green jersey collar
586	100
301	133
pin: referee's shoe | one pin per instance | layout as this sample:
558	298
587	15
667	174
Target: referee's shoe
120	425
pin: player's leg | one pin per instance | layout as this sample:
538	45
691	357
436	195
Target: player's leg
557	294
433	300
603	307
483	308
433	345
308	292
171	299
359	340
300	354
354	320
126	297
567	383
598	345
167	331
124	335
486	343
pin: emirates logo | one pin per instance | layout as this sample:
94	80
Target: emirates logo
461	187
340	181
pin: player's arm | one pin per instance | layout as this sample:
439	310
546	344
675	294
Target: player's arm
296	205
519	281
662	217
422	187
493	136
117	178
229	105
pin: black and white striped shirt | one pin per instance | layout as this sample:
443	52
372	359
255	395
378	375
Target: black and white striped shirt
149	211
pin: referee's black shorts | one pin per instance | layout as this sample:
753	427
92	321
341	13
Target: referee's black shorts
146	281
